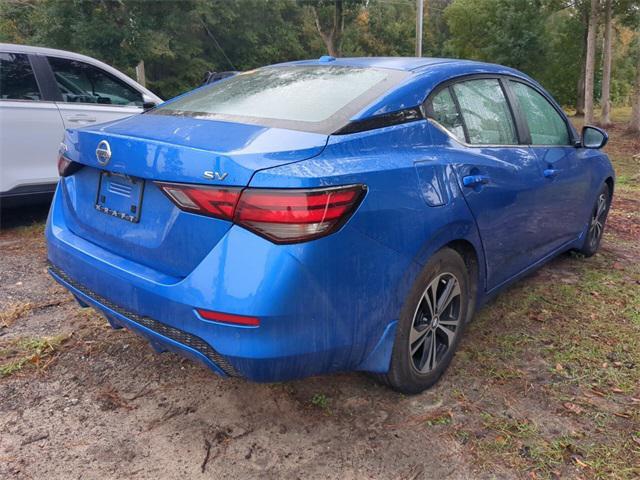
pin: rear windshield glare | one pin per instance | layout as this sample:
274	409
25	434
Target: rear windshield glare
310	98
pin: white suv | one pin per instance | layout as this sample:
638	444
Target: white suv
42	92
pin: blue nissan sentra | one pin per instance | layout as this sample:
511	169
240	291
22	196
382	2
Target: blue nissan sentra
325	215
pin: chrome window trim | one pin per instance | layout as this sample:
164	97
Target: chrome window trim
29	102
62	103
472	145
475	145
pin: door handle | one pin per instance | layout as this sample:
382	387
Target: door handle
550	172
81	118
475	180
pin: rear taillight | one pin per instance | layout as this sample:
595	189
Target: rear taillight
67	167
216	202
281	215
288	216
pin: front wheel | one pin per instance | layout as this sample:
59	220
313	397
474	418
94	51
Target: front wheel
596	222
431	324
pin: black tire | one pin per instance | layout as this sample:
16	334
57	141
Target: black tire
407	373
597	222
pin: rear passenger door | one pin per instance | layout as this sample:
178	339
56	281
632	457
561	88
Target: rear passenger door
500	178
566	176
30	128
90	95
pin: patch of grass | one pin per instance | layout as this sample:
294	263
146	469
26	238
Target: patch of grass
320	400
509	427
598	340
578	321
12	367
620	460
440	419
29	352
519	443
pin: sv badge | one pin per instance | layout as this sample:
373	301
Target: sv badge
215	175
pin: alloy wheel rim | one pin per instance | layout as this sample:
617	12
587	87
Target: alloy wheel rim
436	322
596	226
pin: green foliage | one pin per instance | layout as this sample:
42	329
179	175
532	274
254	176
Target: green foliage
561	67
382	30
179	40
511	32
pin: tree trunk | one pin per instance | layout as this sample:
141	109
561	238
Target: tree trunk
141	78
634	124
580	98
605	99
332	38
591	62
583	61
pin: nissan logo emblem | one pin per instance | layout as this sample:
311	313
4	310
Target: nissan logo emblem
103	152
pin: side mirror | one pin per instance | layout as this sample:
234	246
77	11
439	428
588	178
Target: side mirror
148	106
148	102
593	137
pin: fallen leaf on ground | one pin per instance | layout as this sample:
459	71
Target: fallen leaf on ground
579	462
622	415
572	407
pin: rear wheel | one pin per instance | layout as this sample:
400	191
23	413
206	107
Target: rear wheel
431	324
596	222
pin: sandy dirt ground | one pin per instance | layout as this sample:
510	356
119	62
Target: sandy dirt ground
109	407
531	394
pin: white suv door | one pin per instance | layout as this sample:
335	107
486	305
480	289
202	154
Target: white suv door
30	130
92	95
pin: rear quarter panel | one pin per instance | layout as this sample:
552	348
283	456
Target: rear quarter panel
412	208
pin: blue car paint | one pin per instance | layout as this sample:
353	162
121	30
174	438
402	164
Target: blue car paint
331	304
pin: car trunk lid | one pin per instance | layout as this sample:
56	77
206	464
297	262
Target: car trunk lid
115	203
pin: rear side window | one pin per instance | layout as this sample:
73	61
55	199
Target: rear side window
17	81
444	111
80	82
546	126
486	112
311	98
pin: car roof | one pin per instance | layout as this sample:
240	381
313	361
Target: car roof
53	52
15	48
394	63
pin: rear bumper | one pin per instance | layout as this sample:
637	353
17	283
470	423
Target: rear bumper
162	337
322	306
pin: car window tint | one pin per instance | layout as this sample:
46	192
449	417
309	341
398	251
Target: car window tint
308	98
299	94
545	124
17	81
80	82
486	112
444	111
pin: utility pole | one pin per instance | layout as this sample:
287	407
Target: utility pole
419	19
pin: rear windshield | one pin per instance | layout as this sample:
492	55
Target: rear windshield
309	98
